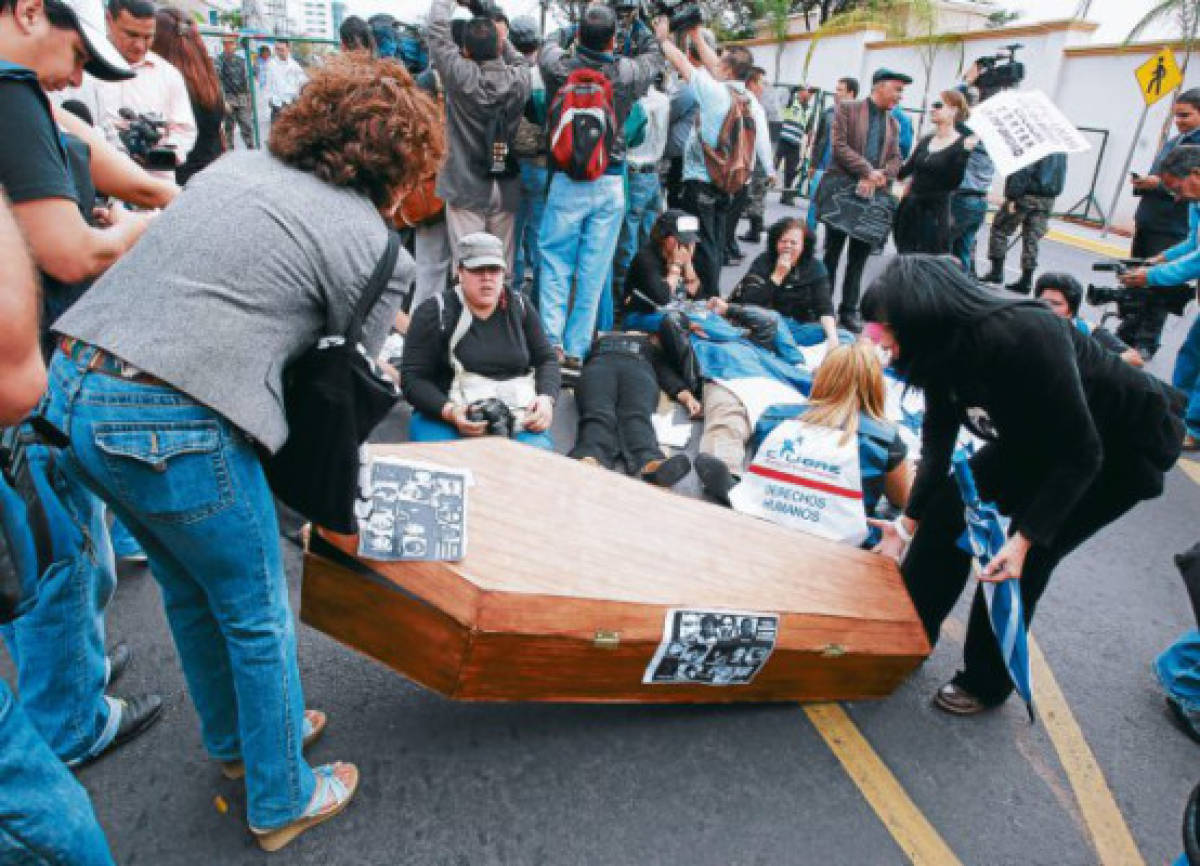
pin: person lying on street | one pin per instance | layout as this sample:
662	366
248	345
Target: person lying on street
476	344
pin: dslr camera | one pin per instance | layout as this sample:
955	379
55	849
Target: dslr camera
1131	302
682	14
141	137
495	412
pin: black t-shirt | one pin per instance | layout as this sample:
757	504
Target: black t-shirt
36	164
507	344
646	282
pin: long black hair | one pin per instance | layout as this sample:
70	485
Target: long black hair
927	301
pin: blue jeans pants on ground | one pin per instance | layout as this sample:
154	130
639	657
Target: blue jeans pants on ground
641	210
811	333
529	222
578	239
1187	375
422	428
190	488
45	815
967	213
57	646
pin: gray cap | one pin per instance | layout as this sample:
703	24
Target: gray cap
481	250
524	33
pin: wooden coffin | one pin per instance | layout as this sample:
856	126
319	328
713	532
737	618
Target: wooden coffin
571	573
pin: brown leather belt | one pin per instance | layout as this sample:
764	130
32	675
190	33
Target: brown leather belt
97	360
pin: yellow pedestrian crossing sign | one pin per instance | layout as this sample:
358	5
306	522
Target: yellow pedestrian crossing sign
1158	76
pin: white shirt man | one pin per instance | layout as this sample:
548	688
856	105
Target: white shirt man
283	79
158	89
657	107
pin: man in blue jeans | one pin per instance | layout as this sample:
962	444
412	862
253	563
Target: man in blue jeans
582	220
1181	264
529	144
645	195
58	644
45	815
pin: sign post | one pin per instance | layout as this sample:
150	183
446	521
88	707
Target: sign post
1156	78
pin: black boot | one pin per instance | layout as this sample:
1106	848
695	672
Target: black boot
754	233
996	274
1024	285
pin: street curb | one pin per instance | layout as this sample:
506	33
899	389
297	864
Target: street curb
1104	248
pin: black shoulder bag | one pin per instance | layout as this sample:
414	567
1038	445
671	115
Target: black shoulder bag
333	395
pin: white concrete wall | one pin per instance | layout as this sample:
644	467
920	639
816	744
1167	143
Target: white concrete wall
1093	90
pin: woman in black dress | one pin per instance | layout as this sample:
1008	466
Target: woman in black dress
177	40
1075	439
936	166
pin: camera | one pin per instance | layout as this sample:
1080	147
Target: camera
1134	302
999	71
682	14
482	8
140	138
495	412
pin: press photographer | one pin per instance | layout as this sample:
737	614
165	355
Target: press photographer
1062	293
1180	264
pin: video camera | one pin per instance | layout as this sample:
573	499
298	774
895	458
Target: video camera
1133	302
140	138
681	14
999	71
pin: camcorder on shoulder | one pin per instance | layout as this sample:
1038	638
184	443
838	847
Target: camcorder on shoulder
1133	302
141	137
1000	71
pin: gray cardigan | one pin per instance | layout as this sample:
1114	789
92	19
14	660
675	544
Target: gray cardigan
234	280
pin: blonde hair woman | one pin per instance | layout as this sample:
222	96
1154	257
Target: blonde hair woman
836	481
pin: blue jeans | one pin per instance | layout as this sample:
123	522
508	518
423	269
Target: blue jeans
967	213
1178	671
1187	375
123	542
422	428
811	218
811	333
190	488
57	646
529	221
578	239
45	815
641	210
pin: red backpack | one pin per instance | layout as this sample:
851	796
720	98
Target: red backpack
581	125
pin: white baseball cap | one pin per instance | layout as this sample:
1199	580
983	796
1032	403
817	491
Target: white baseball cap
106	62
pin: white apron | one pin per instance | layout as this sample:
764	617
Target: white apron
467	387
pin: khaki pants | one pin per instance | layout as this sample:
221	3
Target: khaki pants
726	427
460	223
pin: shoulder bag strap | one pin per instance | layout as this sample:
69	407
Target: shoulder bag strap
374	288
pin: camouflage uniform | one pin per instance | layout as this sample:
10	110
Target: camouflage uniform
1032	215
756	207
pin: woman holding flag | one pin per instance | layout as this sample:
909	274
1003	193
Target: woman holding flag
1074	439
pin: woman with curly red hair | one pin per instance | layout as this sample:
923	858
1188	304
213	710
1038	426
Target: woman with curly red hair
168	377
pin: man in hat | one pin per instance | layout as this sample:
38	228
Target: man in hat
58	645
235	85
866	148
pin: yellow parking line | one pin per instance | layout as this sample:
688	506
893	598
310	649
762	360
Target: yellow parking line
1110	836
916	837
1192	468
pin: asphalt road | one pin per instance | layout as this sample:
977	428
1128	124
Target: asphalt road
450	783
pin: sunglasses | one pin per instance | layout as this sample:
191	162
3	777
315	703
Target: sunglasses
938	105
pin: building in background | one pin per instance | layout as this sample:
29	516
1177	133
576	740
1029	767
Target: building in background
312	18
338	10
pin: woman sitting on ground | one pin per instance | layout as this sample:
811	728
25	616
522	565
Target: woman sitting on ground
787	277
168	412
476	343
661	273
847	399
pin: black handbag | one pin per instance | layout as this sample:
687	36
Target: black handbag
334	396
840	206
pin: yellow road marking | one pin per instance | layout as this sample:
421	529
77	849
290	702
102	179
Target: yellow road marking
916	837
1192	468
1110	836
